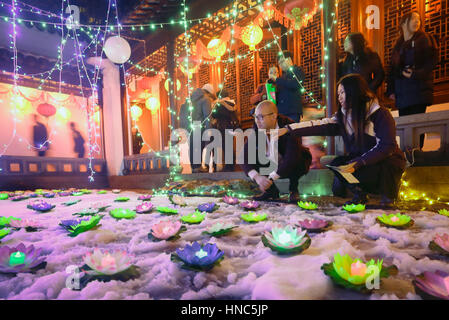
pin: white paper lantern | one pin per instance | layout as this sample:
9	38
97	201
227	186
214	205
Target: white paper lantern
117	49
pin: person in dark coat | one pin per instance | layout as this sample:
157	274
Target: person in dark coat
137	140
40	137
78	141
224	116
414	56
293	159
289	98
369	133
201	112
362	60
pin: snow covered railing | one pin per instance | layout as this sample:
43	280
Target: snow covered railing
146	163
49	166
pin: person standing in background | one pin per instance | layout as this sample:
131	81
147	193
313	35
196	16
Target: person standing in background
261	93
362	60
288	86
410	80
40	137
137	140
78	141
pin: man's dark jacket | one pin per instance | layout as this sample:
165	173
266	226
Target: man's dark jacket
294	156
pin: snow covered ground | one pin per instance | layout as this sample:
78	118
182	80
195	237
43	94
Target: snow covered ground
248	271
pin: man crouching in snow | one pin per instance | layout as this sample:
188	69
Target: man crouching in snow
292	159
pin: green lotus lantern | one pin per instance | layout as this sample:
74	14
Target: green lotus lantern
307	205
253	217
167	210
286	240
399	221
219	229
354	273
444	212
4	233
102	192
70	203
354	208
193	218
4	196
121	199
122	213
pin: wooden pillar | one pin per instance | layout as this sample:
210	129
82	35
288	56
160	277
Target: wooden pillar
172	75
330	62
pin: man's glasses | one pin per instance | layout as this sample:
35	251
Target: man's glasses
260	117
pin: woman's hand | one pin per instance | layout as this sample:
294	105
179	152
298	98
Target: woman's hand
407	73
349	168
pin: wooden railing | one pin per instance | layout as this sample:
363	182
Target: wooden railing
48	166
146	163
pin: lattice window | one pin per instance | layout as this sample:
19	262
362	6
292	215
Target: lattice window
230	76
344	24
310	52
268	57
246	76
437	24
204	74
394	10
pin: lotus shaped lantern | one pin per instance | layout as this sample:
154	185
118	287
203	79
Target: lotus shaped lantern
193	218
440	244
433	285
399	221
166	230
354	208
21	258
40	205
144	197
307	205
219	229
253	217
198	257
207	207
120	213
314	225
144	207
230	200
286	240
250	205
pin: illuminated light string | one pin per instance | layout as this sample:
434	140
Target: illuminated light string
408	194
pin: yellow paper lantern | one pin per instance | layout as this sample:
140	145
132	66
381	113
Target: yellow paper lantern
167	85
152	104
63	114
252	34
23	106
216	48
136	112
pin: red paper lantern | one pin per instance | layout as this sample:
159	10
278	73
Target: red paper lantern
46	110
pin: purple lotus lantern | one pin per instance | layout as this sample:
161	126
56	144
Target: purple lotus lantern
49	195
20	259
144	197
433	285
40	205
144	207
67	224
197	257
64	194
18	198
230	200
314	224
250	205
207	207
32	195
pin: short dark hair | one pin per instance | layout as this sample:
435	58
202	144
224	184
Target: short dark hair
286	54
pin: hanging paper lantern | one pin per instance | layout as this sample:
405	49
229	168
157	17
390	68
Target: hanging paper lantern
23	106
251	35
63	114
216	48
152	104
136	112
117	49
46	110
167	85
300	11
193	66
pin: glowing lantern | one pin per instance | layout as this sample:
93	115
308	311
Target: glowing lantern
167	85
136	112
152	104
23	106
63	114
268	10
216	48
46	110
251	35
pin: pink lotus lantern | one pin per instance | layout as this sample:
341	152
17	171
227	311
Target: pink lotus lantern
314	224
165	229
230	200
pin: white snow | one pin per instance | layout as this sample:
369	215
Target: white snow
249	270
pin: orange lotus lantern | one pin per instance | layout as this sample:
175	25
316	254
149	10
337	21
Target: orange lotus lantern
216	48
251	35
152	104
136	112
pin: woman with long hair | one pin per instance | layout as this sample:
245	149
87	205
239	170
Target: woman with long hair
369	133
414	56
362	60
